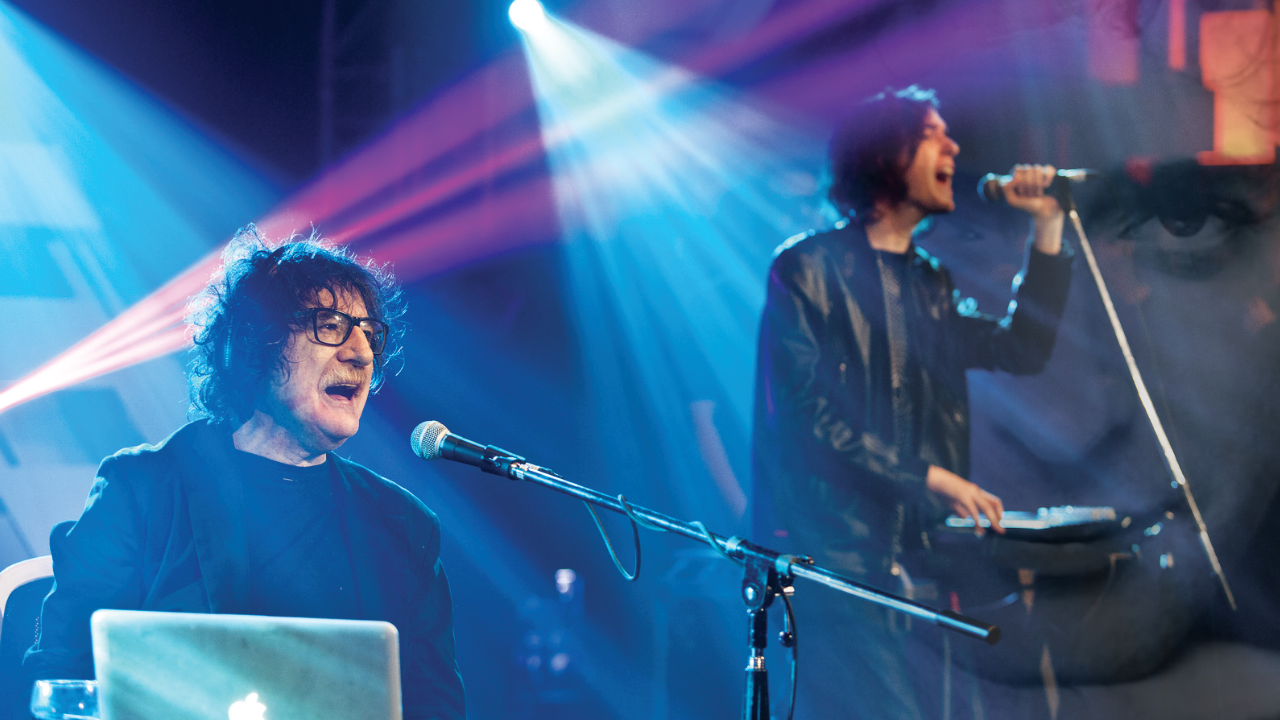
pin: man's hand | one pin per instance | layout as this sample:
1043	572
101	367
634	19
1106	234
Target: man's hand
965	498
1026	192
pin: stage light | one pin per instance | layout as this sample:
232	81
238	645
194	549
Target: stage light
668	197
75	139
351	202
527	15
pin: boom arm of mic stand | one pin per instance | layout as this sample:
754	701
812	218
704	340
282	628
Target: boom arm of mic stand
744	551
1170	460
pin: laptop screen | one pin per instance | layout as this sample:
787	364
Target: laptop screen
181	666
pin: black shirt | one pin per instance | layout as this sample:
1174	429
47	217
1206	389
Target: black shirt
298	556
880	411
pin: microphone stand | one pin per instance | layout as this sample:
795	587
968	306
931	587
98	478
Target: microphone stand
1170	460
766	574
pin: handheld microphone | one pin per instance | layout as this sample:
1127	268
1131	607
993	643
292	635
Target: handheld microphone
431	440
991	186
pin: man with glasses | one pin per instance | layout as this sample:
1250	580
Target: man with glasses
248	510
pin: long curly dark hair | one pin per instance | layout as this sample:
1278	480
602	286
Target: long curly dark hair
868	149
243	318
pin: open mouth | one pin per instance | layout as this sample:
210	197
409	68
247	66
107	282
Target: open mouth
345	392
944	176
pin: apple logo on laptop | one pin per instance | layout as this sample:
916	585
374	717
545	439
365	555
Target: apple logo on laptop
247	709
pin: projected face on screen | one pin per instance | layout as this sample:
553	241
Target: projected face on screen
1190	259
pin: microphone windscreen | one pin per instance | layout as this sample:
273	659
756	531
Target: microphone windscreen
426	438
989	188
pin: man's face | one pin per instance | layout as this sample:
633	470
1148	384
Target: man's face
928	177
320	401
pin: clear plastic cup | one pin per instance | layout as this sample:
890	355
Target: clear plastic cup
65	700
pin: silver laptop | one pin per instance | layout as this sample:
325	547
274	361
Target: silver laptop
181	666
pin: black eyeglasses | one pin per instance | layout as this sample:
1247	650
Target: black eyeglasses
333	327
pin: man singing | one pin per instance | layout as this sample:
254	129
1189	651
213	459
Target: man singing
248	510
861	414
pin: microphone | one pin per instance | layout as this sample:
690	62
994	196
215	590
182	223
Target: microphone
431	440
991	186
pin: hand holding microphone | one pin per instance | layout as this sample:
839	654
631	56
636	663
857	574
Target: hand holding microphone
1029	181
1041	191
1034	189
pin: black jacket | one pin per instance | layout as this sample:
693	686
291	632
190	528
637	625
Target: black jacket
827	475
160	532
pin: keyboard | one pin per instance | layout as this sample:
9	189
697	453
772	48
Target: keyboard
1056	524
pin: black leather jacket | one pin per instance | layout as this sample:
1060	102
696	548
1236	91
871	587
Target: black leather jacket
827	476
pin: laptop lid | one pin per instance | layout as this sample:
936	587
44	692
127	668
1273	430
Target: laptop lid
183	666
